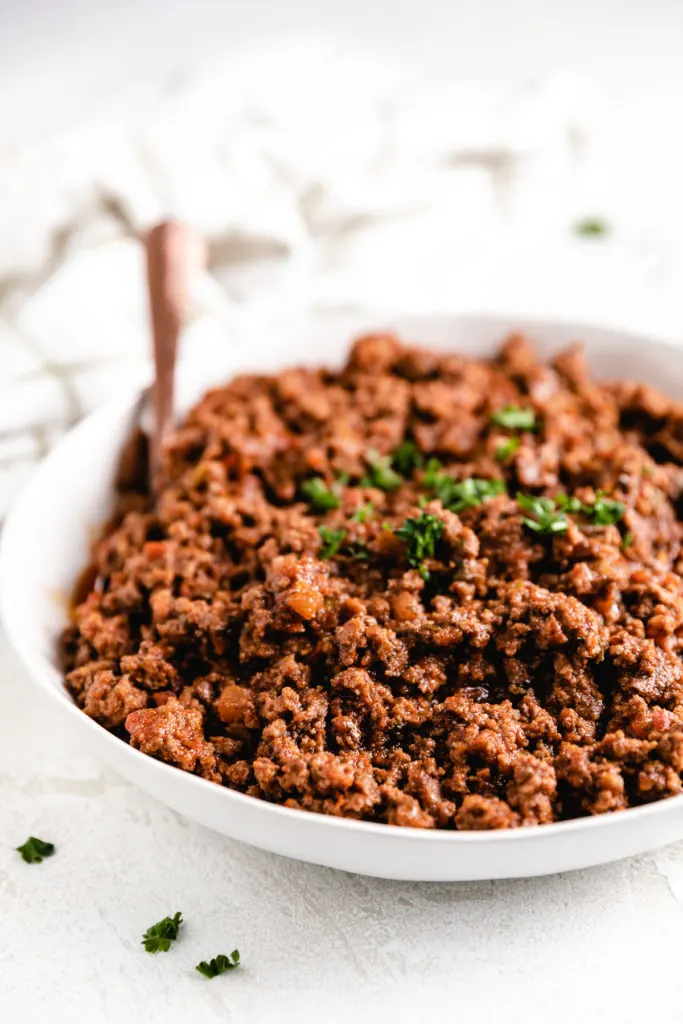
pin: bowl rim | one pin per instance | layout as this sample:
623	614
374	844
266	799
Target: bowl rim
39	669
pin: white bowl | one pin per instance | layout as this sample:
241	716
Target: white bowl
45	545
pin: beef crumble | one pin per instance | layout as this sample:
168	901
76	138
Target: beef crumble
319	613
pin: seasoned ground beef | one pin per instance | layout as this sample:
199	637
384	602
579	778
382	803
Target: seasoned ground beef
425	590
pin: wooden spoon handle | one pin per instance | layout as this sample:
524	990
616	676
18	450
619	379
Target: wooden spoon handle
173	252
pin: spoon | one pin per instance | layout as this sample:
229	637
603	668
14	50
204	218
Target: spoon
174	252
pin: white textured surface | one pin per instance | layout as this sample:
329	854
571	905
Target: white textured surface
391	190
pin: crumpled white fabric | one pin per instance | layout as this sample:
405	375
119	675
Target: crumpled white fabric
323	178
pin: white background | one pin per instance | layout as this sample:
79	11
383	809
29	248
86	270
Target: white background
59	58
598	945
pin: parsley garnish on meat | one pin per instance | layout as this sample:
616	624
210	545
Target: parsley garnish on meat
605	511
569	504
457	495
591	227
514	417
320	497
332	541
363	513
507	447
421	536
219	965
546	520
380	473
627	541
159	937
549	516
407	457
34	850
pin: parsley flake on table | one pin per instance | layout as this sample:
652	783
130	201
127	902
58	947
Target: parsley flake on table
407	457
543	515
514	417
457	495
591	227
420	536
219	965
35	850
332	541
506	448
158	938
320	497
380	472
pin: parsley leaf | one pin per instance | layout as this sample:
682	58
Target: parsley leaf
363	513
34	850
332	541
319	495
159	937
605	511
421	536
549	515
627	541
591	227
219	965
514	417
380	474
407	457
569	504
457	495
359	551
546	518
507	447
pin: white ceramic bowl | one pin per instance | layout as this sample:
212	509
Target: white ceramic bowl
45	544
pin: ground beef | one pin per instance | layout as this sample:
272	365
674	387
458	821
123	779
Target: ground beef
316	613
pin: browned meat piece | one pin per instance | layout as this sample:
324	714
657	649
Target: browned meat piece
175	734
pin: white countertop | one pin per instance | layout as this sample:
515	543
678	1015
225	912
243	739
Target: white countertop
420	190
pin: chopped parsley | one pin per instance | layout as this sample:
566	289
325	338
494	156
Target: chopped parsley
380	473
627	541
591	227
420	536
506	448
34	850
514	417
569	504
457	495
159	937
219	965
549	515
320	497
543	515
359	551
332	541
363	513
605	511
407	457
